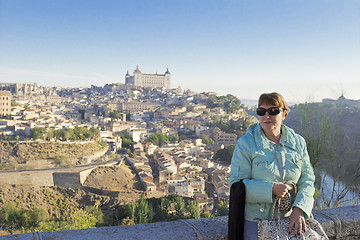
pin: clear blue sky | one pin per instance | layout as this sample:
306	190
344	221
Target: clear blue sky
304	49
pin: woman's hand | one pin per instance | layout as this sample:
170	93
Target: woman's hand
297	221
280	189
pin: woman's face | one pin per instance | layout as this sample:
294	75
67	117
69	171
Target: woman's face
271	123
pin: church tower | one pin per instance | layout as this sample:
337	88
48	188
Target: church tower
167	79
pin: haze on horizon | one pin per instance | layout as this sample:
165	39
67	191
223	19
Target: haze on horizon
306	50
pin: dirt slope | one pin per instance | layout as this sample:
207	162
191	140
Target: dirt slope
106	187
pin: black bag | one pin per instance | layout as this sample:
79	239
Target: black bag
236	211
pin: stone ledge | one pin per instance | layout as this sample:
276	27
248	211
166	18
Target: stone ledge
338	223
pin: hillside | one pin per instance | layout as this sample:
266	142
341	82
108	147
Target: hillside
22	155
113	179
118	183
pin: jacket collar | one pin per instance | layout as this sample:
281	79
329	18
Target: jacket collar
287	138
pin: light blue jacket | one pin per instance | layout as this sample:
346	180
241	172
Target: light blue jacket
254	162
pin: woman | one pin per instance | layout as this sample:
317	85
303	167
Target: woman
266	156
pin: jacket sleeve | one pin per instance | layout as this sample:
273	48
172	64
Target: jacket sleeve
305	196
257	191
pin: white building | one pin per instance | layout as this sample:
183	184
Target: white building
180	187
137	134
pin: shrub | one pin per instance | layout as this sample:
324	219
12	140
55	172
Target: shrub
14	218
127	221
79	219
97	213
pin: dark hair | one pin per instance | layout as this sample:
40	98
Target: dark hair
275	99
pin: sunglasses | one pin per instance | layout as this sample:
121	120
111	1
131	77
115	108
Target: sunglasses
271	110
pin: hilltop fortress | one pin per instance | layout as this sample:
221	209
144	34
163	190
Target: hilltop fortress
149	80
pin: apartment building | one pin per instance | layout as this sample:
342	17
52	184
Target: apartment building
135	106
221	137
5	103
54	99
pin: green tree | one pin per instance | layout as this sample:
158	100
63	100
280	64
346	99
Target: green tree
179	207
97	213
37	133
13	217
329	148
164	209
57	134
232	103
193	209
31	217
225	154
96	132
162	138
25	218
142	210
217	118
159	138
79	219
206	140
50	135
222	209
130	209
10	216
67	134
174	138
315	126
206	214
154	139
116	114
36	215
229	103
88	134
152	213
126	141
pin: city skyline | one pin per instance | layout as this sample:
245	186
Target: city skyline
306	50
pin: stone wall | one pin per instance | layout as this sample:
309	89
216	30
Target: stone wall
66	177
73	179
339	223
69	178
28	177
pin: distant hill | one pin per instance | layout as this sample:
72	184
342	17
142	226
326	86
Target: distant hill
249	102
